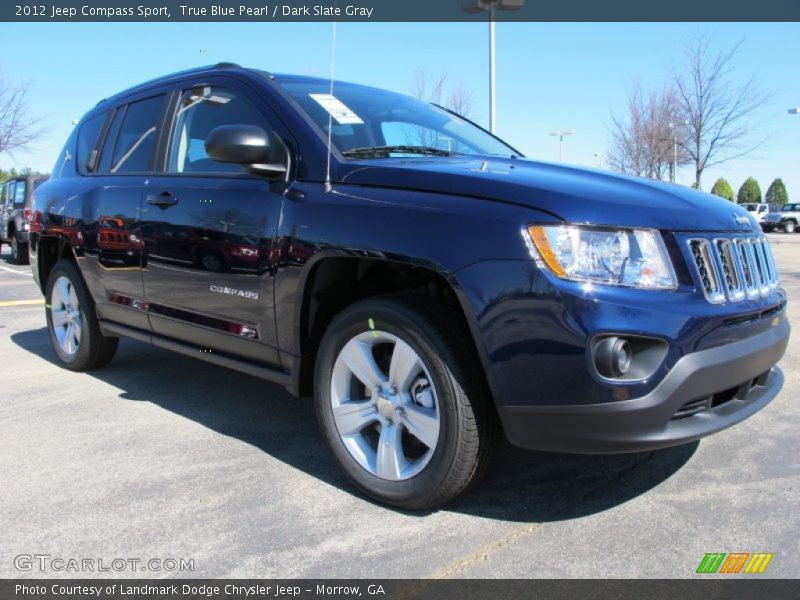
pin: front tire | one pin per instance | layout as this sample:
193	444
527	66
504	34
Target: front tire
790	227
401	402
72	321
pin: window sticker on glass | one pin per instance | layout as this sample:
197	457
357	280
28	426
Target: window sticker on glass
341	113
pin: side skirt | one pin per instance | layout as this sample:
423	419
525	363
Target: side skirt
274	375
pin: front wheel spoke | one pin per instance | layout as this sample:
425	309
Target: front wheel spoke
76	330
358	358
59	317
390	459
422	423
352	417
404	366
69	337
63	290
73	297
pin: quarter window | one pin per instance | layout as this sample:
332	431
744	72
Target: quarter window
200	110
137	136
88	138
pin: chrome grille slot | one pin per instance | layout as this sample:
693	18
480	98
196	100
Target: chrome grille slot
761	271
731	270
735	268
746	258
770	273
708	271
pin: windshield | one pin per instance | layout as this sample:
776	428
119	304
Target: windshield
372	123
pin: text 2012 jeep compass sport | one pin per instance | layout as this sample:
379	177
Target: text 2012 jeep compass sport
420	278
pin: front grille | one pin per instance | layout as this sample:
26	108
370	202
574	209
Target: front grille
734	269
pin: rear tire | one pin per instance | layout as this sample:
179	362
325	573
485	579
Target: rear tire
19	251
72	321
419	434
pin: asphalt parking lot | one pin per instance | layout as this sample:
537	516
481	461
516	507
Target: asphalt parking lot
159	456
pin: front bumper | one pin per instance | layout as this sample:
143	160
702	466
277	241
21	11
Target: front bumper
737	379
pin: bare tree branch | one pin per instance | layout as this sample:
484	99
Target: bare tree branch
643	141
434	89
719	113
18	129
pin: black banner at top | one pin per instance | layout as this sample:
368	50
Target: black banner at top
399	10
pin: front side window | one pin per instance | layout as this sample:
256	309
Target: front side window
371	123
200	110
137	136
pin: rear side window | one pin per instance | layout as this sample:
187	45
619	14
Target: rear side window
8	195
88	139
137	136
19	193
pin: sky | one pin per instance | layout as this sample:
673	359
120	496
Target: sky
549	76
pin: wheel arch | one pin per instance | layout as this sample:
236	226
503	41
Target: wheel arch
49	250
333	281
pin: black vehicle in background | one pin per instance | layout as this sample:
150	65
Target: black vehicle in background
15	209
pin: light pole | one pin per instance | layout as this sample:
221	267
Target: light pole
561	133
600	158
674	135
476	6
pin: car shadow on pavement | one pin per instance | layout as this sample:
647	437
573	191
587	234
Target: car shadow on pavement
519	485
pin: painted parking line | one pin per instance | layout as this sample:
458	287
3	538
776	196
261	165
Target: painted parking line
15	271
5	303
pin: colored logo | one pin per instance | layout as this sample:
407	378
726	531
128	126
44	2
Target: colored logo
734	562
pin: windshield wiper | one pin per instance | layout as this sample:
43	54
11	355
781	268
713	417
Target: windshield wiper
385	151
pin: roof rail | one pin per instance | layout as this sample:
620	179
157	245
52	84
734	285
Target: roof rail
227	65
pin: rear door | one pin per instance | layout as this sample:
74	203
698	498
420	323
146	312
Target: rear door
208	229
2	209
5	209
116	152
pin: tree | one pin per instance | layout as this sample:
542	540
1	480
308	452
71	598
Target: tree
13	172
642	140
776	193
18	129
719	112
723	189
434	89
750	192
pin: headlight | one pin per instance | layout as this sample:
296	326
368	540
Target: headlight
626	257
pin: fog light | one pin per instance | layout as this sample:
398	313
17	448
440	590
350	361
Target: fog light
613	357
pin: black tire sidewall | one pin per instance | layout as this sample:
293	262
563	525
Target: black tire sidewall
397	322
86	308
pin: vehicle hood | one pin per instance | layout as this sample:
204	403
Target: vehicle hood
573	194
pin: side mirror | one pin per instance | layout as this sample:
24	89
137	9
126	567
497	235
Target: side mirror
247	145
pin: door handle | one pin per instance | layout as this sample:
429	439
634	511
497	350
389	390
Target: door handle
163	200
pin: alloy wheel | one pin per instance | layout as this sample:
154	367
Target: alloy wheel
66	316
384	405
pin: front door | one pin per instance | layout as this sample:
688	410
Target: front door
208	229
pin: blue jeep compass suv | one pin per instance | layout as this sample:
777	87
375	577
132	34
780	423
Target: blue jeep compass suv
425	282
